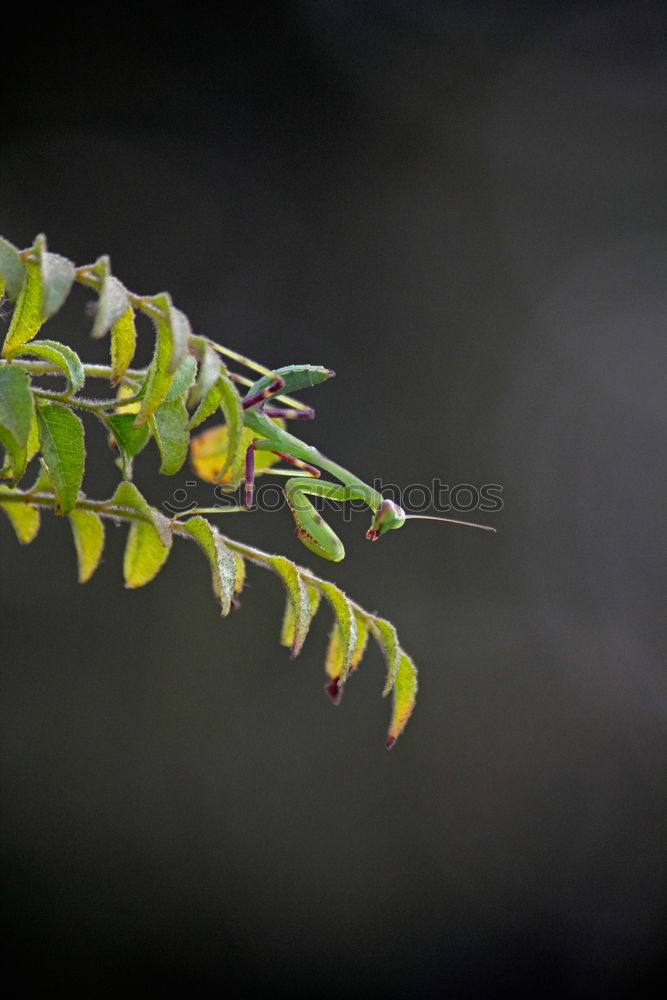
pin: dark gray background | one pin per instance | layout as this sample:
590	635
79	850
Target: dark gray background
460	208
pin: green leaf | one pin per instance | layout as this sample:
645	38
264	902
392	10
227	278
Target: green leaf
12	268
297	596
62	446
148	541
405	692
230	404
385	634
169	427
223	564
61	355
128	439
209	370
57	278
47	280
123	344
16	416
88	531
113	302
27	317
183	378
170	349
24	518
345	632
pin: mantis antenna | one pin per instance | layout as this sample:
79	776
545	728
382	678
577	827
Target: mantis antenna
449	520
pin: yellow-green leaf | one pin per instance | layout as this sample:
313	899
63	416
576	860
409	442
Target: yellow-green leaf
61	442
346	626
385	634
144	555
123	344
61	355
230	404
27	317
127	495
289	618
148	541
405	692
170	348
16	416
297	596
239	579
221	559
12	268
88	531
24	518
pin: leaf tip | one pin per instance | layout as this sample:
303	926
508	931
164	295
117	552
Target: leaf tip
334	691
390	742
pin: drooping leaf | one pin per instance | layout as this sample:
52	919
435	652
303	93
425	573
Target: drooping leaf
183	378
385	634
57	278
148	540
47	279
168	424
61	355
171	346
16	415
208	454
346	627
336	650
24	517
62	445
112	301
209	370
128	439
127	495
88	531
221	559
405	692
239	579
297	595
123	344
27	317
12	268
289	618
230	404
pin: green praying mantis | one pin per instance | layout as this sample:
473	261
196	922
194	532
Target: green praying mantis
260	413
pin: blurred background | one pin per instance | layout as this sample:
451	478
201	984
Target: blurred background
459	207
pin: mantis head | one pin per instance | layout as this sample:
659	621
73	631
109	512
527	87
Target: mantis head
388	515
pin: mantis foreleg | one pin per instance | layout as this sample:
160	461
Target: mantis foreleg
312	529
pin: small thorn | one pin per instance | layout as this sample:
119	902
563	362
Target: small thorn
334	691
390	742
